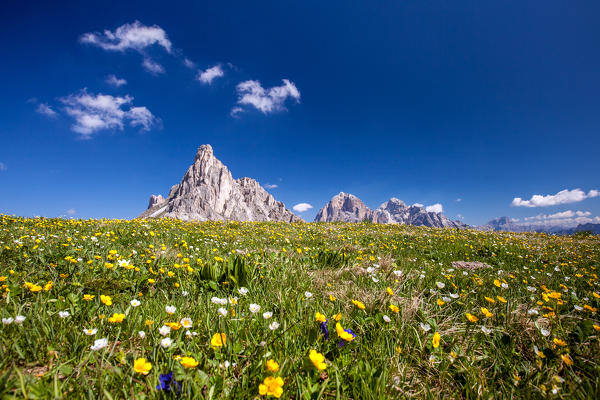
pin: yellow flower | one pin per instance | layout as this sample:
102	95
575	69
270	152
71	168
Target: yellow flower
497	283
389	291
173	325
3	278
440	302
35	288
490	300
331	298
116	318
272	366
88	297
106	300
559	342
472	318
358	304
271	386
501	299
320	317
317	359
108	265
150	280
567	359
188	362
486	312
436	340
348	337
148	322
142	366
48	286
337	316
394	308
596	327
218	340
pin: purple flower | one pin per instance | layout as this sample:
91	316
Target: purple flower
342	341
167	382
324	329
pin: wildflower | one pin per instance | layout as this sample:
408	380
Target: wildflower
358	304
436	340
217	300
19	319
273	325
320	317
90	332
166	342
267	315
142	334
116	318
398	273
243	291
272	366
501	299
331	298
142	366
222	311
188	362
425	327
166	382
394	308
150	280
545	332
308	295
148	322
170	309
186	322
596	327
567	359
164	330
486	312
271	386
490	300
440	302
99	344
254	308
106	300
486	330
63	314
344	334
135	303
559	342
337	316
386	318
472	318
317	359
88	297
173	325
7	321
218	340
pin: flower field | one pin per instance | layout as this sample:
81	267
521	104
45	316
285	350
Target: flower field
162	308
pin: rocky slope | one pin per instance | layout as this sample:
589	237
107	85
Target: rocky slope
208	191
349	208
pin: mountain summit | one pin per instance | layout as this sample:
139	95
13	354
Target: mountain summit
349	208
207	191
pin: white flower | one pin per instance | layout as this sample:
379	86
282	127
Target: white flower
99	344
63	314
370	270
123	263
486	330
425	327
254	308
398	273
134	303
533	311
308	295
243	291
422	276
186	323
531	288
440	285
267	315
170	309
142	334
233	300
446	299
504	285
544	332
7	321
374	279
166	342
273	325
222	312
90	332
164	330
578	308
454	295
19	319
386	318
217	300
185	293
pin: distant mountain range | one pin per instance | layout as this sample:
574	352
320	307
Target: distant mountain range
507	224
349	208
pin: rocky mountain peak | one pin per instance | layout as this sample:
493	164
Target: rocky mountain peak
208	191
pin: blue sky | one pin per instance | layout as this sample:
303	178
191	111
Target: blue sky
426	101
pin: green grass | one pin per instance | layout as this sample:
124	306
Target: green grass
550	285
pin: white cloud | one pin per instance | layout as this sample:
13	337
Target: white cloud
97	112
562	197
559	215
135	36
152	66
266	100
46	110
301	207
436	208
417	205
71	211
189	63
235	111
458	200
114	81
3	167
210	74
271	186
